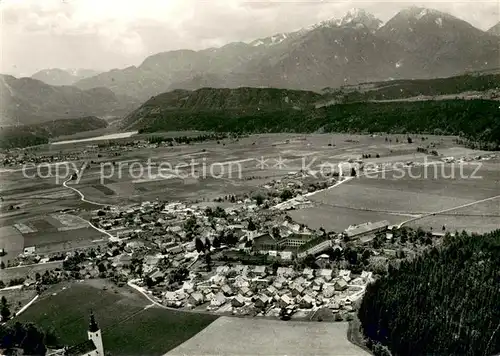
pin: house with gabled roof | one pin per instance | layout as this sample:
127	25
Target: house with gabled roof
226	290
196	298
285	272
308	273
286	301
297	289
326	274
306	302
238	301
261	301
218	300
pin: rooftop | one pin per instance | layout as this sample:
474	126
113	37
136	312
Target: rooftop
80	349
366	227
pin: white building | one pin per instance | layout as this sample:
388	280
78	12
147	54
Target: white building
93	346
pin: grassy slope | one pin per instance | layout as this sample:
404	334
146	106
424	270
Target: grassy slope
126	326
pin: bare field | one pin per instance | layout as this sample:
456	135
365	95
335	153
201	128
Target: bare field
11	242
385	200
42	239
480	218
338	219
262	337
477	224
23	271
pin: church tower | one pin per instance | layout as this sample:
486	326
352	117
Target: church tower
94	334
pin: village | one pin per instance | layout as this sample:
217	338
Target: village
247	259
238	254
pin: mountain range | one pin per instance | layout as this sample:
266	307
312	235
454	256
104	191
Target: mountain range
415	43
495	30
30	101
56	76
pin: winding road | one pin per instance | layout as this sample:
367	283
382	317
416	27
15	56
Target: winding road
82	198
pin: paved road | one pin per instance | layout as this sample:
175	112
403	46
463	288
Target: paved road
82	198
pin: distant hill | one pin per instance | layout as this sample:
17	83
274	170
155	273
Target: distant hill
56	76
417	43
232	102
253	110
401	89
495	30
36	134
30	101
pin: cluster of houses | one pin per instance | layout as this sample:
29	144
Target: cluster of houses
258	290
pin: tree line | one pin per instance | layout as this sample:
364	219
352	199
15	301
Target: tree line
476	120
444	302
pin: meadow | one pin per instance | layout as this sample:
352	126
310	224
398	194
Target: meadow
128	323
230	336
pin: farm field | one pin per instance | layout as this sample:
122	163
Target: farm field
128	325
229	336
12	242
480	218
23	271
115	178
390	196
47	238
337	219
17	298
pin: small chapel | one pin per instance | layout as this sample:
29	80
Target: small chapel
93	346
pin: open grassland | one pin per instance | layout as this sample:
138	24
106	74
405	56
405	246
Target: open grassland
115	177
259	337
40	239
21	272
480	218
17	298
12	242
337	219
128	326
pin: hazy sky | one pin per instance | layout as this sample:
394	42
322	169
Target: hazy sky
105	34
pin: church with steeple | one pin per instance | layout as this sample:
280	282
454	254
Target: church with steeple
93	346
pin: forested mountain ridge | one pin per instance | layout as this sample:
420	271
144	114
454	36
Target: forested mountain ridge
445	302
256	110
230	102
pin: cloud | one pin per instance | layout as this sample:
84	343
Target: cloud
104	34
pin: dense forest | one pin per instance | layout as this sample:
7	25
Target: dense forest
445	302
400	89
478	120
26	337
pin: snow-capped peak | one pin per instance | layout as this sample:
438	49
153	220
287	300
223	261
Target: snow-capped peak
270	41
356	17
420	12
355	14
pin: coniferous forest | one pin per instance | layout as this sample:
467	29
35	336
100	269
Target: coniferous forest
445	302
